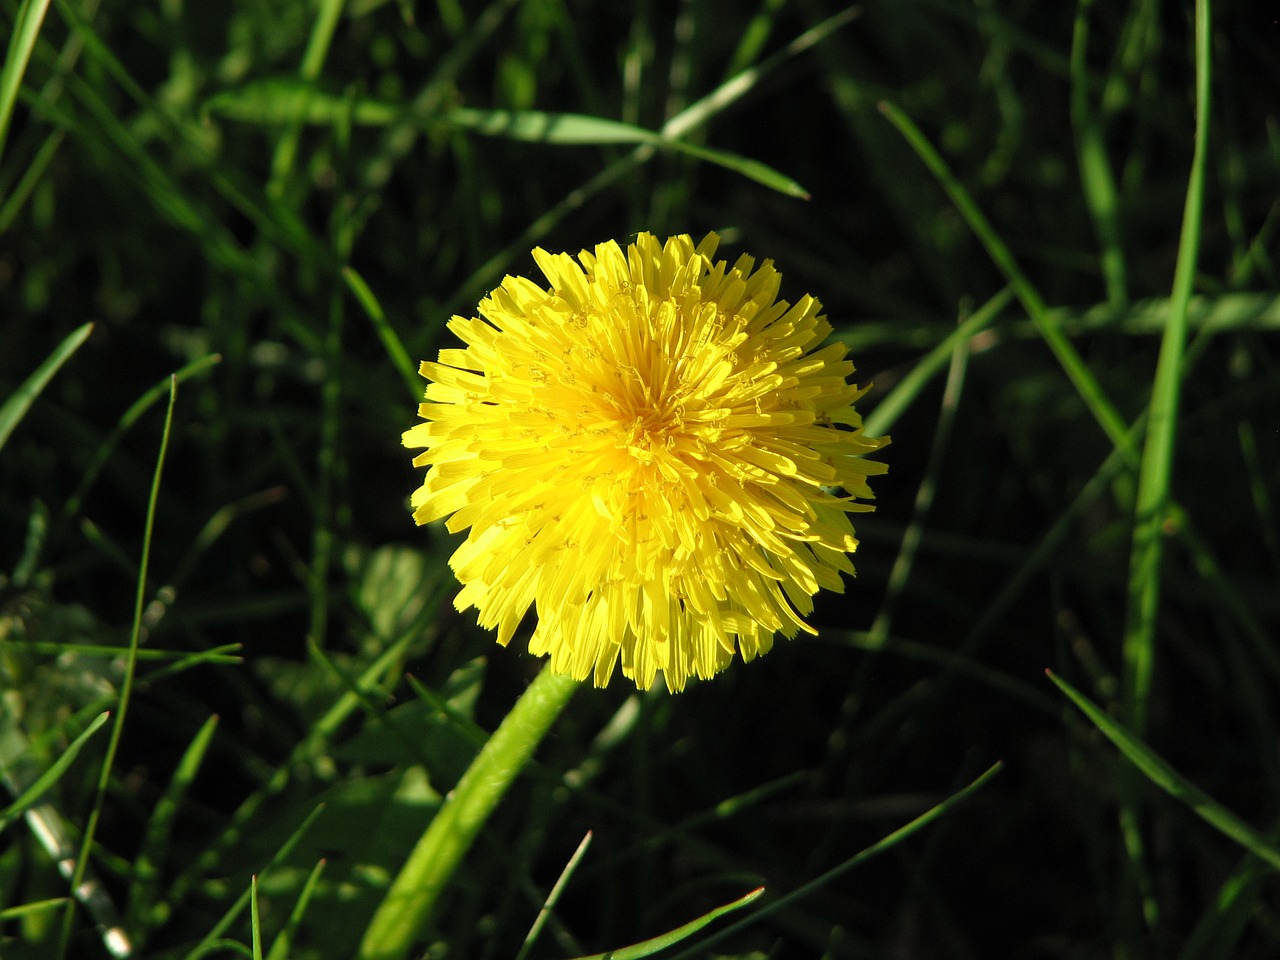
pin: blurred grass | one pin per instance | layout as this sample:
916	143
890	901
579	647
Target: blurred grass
304	694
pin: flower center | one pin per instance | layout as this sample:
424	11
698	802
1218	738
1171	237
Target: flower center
648	432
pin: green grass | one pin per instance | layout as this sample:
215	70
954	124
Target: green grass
233	694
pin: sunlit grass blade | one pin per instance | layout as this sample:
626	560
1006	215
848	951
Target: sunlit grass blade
10	740
539	127
416	890
1077	371
27	909
26	28
756	170
255	922
276	102
647	948
1159	772
283	944
699	112
1150	510
877	848
691	117
881	420
17	405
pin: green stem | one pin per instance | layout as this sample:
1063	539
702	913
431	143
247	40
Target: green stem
408	904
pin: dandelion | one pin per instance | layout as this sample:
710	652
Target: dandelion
653	452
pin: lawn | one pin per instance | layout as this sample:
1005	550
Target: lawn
235	690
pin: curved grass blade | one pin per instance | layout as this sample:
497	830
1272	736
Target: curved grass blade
26	909
127	420
651	946
15	408
53	832
214	936
1159	772
126	685
391	341
294	102
880	846
26	28
37	788
691	117
1156	468
536	126
283	942
881	420
553	897
1068	357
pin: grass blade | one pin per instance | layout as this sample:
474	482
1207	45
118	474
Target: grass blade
1073	365
1096	179
41	785
146	874
879	847
1159	772
15	408
651	946
26	28
126	685
390	339
214	936
553	897
1151	509
283	942
881	420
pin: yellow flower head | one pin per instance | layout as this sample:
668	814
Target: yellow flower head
647	452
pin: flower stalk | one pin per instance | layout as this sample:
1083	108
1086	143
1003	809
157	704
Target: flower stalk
407	907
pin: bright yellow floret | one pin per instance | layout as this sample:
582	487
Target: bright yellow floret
649	454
